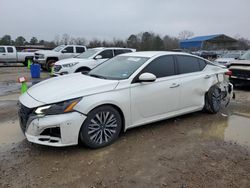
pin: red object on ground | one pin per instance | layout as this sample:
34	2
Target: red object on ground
22	79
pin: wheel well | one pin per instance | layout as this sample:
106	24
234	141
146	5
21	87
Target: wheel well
82	68
29	57
119	110
52	58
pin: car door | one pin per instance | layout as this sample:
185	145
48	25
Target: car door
11	54
68	52
105	55
3	54
194	81
158	99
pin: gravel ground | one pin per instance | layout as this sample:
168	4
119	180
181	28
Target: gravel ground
195	150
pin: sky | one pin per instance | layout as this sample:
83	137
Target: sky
108	19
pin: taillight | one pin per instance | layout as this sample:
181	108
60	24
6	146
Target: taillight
229	73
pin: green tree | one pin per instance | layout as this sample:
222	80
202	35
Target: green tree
133	42
33	41
157	43
6	40
20	41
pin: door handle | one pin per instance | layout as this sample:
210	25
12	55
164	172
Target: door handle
174	85
207	76
3	54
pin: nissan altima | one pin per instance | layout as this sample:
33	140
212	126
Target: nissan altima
126	91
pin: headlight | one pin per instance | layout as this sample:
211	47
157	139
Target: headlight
70	64
41	56
58	108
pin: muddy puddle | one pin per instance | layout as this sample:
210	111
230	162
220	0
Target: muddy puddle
233	129
10	135
10	87
238	129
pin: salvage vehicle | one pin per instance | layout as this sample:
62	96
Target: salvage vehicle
9	54
87	60
126	91
227	58
47	58
240	70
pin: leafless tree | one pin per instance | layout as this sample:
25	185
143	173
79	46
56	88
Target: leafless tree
65	39
185	34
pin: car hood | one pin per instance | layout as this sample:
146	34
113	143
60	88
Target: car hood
47	52
73	60
68	87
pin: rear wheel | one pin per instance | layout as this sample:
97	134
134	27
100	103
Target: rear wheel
101	128
213	100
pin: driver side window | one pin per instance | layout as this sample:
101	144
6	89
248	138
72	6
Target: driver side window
161	67
68	49
106	54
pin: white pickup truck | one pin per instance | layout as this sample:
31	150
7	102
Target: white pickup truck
9	54
47	58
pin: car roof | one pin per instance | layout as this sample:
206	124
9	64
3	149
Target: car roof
150	54
116	48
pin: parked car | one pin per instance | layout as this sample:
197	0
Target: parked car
47	58
30	50
126	91
241	70
228	57
9	54
87	60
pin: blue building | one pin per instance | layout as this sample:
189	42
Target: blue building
210	42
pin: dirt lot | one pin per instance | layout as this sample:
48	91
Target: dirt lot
195	150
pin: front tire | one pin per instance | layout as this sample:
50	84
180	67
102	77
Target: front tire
213	100
101	128
50	64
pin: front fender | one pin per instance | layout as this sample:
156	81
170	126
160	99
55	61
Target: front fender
121	101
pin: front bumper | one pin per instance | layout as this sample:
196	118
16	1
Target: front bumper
55	130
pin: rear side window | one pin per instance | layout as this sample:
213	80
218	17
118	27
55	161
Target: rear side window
69	49
161	67
10	50
187	64
2	50
80	50
202	64
122	51
106	54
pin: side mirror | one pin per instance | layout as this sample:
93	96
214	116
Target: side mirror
147	77
64	51
98	57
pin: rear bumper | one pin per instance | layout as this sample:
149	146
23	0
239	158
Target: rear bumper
239	81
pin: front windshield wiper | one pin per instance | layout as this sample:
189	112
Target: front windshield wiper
97	76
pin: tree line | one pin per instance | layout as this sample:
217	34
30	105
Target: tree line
143	41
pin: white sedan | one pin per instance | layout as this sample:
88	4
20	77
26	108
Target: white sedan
126	91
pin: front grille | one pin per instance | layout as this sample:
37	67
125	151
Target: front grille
57	68
240	73
24	114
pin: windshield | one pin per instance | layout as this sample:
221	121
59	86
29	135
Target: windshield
231	55
246	56
58	48
87	54
118	68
